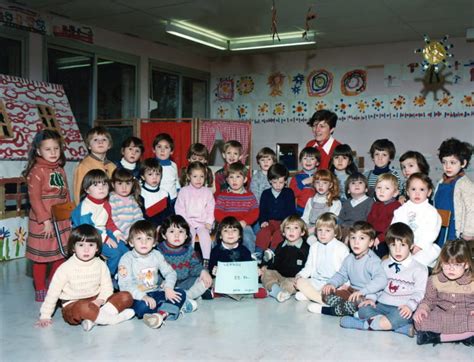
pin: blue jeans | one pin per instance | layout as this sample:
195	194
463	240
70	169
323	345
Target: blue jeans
391	312
113	255
249	238
172	308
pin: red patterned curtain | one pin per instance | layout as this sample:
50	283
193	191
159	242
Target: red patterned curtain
179	131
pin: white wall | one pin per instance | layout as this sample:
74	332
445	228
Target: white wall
424	136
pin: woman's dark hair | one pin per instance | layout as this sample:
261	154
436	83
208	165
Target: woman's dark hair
84	233
176	220
232	223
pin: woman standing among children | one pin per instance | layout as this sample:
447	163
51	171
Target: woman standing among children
47	186
342	166
83	286
196	204
446	313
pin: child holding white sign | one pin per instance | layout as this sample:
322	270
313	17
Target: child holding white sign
229	248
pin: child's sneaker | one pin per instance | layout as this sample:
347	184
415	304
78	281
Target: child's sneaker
283	296
153	320
257	256
268	255
87	325
300	296
189	306
208	294
261	293
315	308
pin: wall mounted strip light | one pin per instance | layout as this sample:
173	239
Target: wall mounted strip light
218	41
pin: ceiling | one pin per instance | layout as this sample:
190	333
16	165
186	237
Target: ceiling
338	22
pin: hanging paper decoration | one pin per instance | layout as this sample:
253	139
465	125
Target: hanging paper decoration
279	109
319	83
419	101
446	100
245	85
225	89
434	82
297	83
398	102
274	23
342	107
377	104
300	108
362	106
263	109
468	100
354	82
435	53
310	15
276	81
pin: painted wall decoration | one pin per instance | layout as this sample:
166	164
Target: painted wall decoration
279	96
13	16
225	89
25	101
245	85
13	235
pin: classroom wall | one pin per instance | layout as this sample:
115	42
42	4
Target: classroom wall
423	135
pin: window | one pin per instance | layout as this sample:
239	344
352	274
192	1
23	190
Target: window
5	124
165	91
10	57
194	98
47	115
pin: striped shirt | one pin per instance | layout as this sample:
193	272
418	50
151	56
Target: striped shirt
243	207
125	212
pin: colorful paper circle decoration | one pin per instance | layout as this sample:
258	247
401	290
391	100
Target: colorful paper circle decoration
354	82
319	83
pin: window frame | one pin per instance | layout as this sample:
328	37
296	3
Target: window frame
23	38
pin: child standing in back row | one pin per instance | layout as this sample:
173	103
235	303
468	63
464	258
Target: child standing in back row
342	165
266	157
163	147
132	149
232	154
197	152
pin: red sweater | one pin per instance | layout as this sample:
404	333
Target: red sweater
244	207
325	157
380	217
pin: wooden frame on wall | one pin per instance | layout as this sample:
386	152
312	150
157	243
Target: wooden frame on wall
287	154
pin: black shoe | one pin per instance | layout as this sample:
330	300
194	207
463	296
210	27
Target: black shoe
468	342
207	294
424	337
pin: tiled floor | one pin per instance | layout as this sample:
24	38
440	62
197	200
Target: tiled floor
221	329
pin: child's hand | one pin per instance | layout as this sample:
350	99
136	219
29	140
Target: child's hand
43	323
243	223
111	243
354	297
99	302
48	229
208	226
415	249
376	242
172	295
264	224
328	289
307	181
214	271
420	314
405	312
367	302
119	236
402	199
206	278
149	301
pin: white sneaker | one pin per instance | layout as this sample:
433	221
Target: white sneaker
153	320
268	255
315	308
283	296
87	325
300	296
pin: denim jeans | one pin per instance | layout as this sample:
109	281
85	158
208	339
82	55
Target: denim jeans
172	308
113	255
249	238
391	312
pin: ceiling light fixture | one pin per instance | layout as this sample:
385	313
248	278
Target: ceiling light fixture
196	34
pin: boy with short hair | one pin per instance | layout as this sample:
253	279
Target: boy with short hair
163	147
156	205
238	202
276	204
382	153
362	268
98	141
302	182
139	274
393	308
266	157
132	149
232	154
197	152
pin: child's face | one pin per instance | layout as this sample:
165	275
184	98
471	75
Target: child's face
163	150
322	186
292	231
98	190
230	236
99	144
357	188
340	162
131	153
265	163
452	165
381	158
123	188
175	236
196	158
325	234
152	177
454	270
142	243
236	181
231	155
309	163
321	131
418	191
49	150
409	167
385	190
84	250
360	242
278	184
197	178
399	250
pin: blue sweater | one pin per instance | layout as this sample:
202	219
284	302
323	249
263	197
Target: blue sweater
278	208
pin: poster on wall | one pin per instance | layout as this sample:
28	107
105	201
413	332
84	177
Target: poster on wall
13	235
16	17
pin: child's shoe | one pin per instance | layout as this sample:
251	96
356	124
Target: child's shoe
87	325
468	342
153	320
208	294
300	296
283	296
268	255
257	256
40	295
262	293
425	337
407	330
189	306
315	308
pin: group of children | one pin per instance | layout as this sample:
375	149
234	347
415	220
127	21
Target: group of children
320	239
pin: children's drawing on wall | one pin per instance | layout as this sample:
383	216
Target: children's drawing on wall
354	82
392	75
319	83
245	85
297	83
276	81
225	90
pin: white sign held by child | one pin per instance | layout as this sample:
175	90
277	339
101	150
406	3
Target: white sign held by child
237	277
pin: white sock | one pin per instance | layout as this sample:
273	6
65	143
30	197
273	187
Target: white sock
109	308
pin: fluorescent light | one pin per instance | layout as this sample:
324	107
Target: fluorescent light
198	35
181	35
